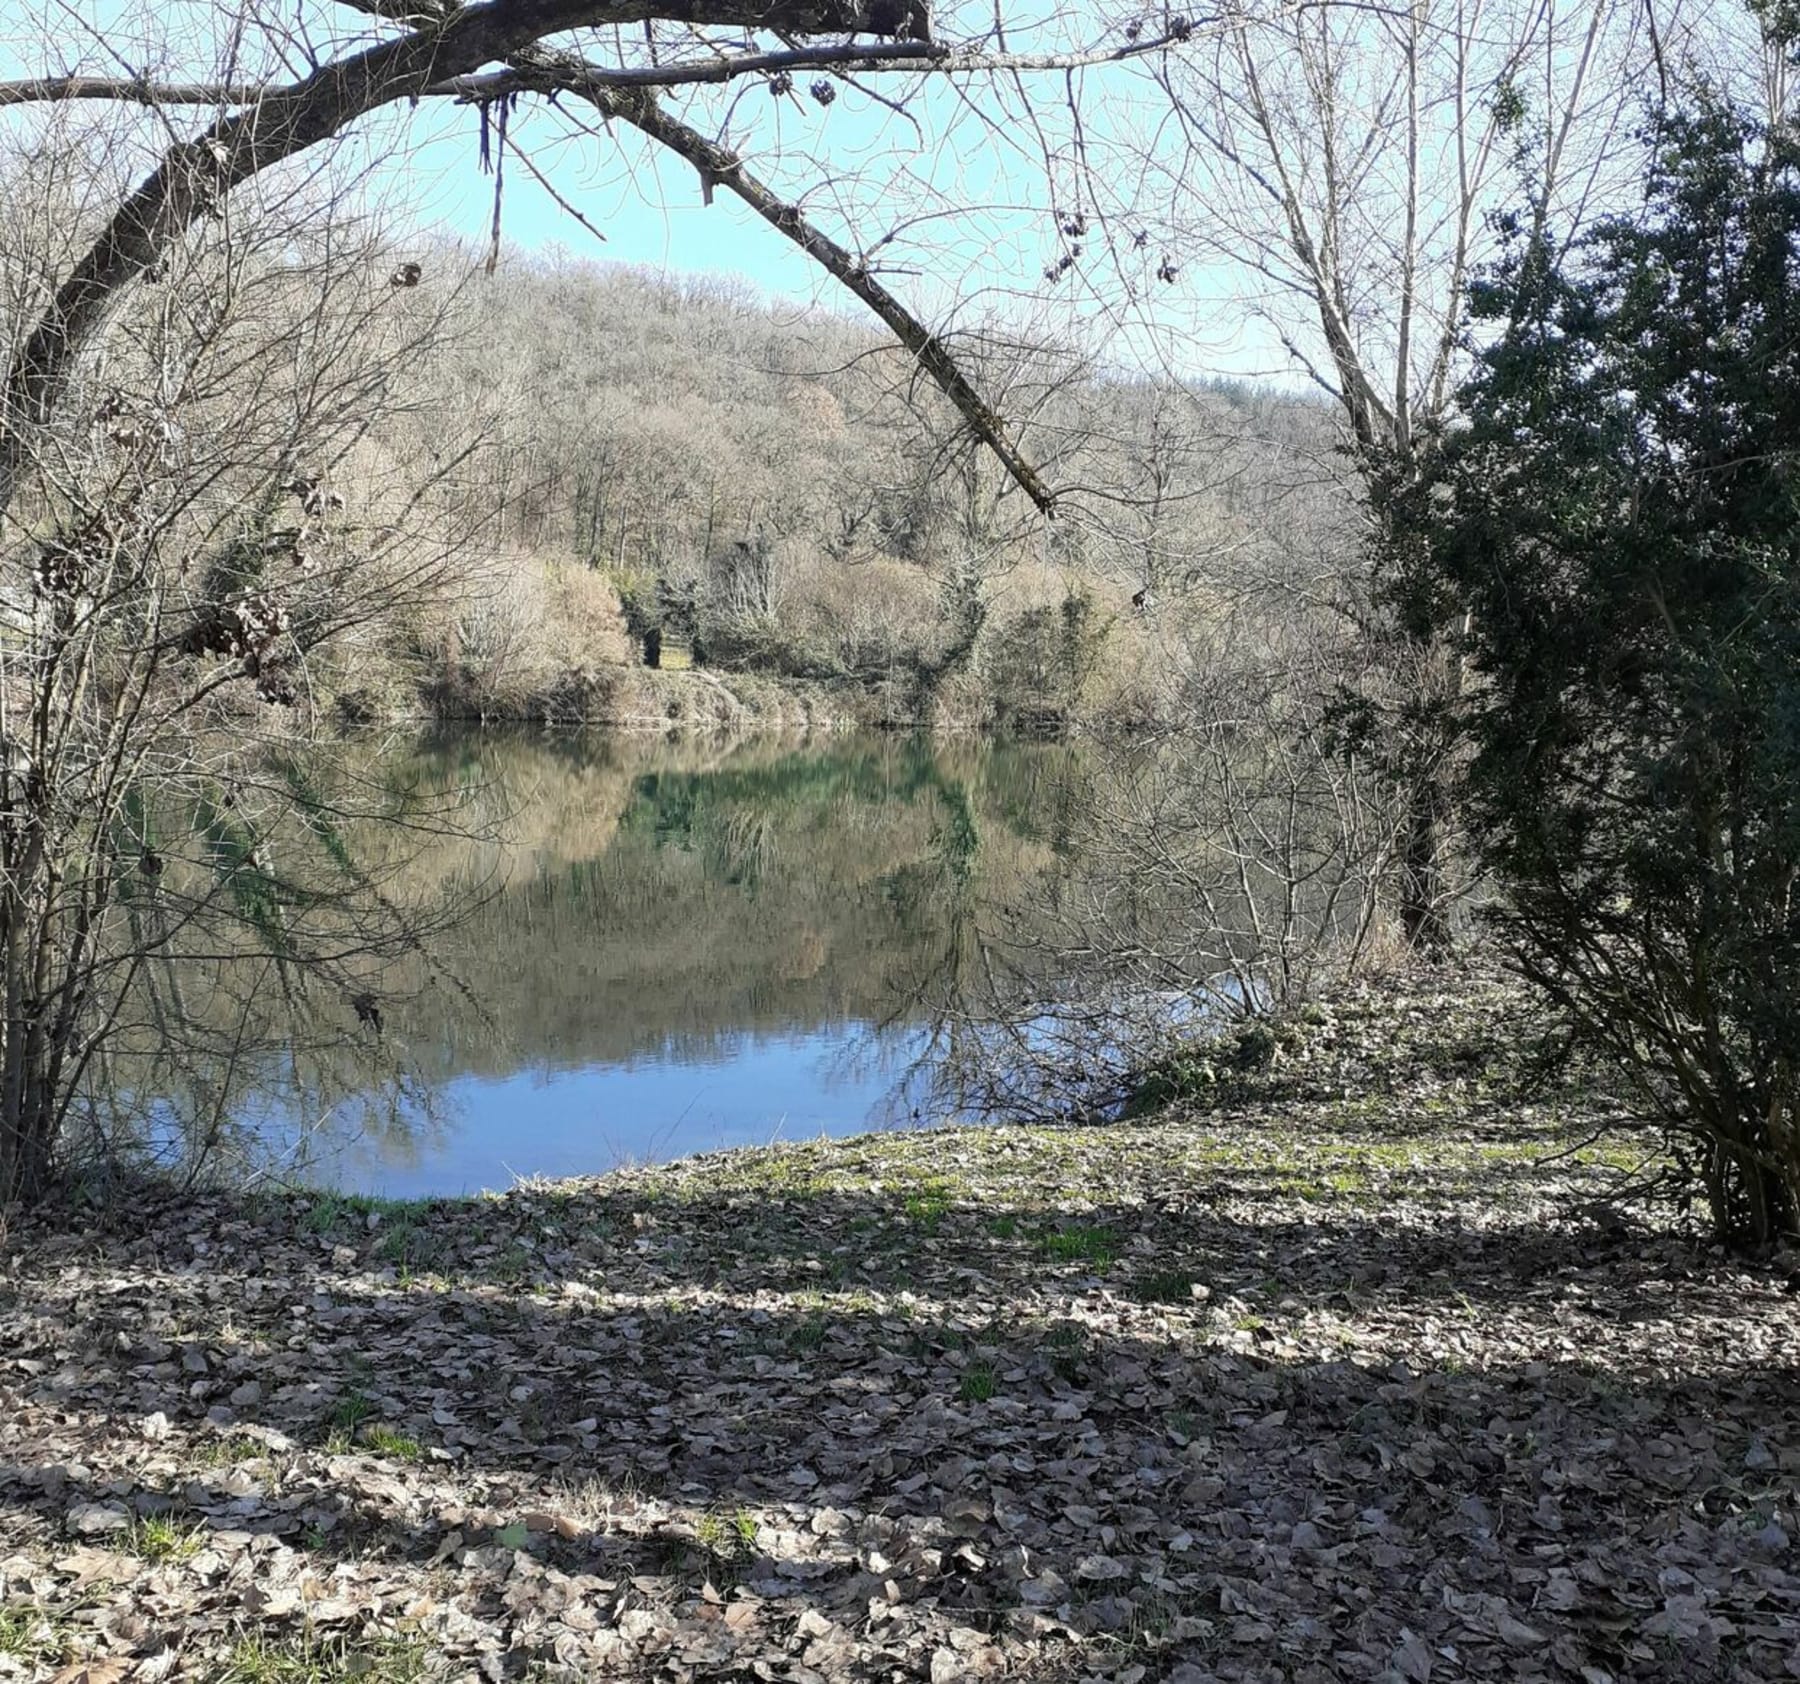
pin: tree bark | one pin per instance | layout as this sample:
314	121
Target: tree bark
1423	921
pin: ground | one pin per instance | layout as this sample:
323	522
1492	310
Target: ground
1344	1366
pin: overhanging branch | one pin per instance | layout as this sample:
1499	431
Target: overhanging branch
195	176
129	90
851	58
726	169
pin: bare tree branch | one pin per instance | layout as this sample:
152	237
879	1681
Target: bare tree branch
194	177
129	90
725	168
897	57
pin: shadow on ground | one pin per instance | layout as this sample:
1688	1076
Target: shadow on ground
834	1423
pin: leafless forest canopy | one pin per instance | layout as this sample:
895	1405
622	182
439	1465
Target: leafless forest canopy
772	490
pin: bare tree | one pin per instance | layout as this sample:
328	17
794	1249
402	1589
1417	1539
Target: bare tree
206	524
972	521
621	59
1340	171
1232	860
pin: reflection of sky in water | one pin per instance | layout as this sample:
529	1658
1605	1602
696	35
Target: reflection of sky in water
542	1121
651	948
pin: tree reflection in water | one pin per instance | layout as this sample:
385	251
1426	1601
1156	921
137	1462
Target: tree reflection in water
655	948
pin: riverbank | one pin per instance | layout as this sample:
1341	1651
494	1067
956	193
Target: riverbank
1353	1371
636	698
697	699
628	697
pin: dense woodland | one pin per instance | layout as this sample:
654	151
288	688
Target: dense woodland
768	490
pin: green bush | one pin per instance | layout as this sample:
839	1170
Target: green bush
1620	525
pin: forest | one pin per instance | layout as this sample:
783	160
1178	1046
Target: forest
835	528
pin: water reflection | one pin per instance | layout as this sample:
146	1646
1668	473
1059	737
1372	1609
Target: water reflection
673	946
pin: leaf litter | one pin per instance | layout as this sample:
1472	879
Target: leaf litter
1350	1370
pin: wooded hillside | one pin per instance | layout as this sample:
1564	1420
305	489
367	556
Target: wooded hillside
775	491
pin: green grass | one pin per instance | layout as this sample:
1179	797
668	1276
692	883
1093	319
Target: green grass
1321	1187
306	1659
729	1536
26	1632
979	1382
1080	1245
333	1211
383	1440
929	1205
160	1538
347	1414
513	1266
228	1451
1067	1345
1164	1286
409	1245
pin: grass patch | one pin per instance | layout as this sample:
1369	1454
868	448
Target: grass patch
228	1451
409	1245
1079	1244
928	1205
307	1659
979	1382
729	1536
1346	1183
513	1266
1067	1344
1164	1286
26	1632
160	1538
347	1414
384	1440
332	1212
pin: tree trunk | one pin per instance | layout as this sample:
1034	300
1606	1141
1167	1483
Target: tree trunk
1752	1205
1423	921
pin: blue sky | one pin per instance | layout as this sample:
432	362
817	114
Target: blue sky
646	202
961	189
957	195
982	252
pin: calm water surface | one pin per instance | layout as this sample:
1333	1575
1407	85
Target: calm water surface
669	947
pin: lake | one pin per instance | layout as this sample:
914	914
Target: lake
653	948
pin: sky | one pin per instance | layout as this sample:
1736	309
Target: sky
981	248
956	187
959	192
644	201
